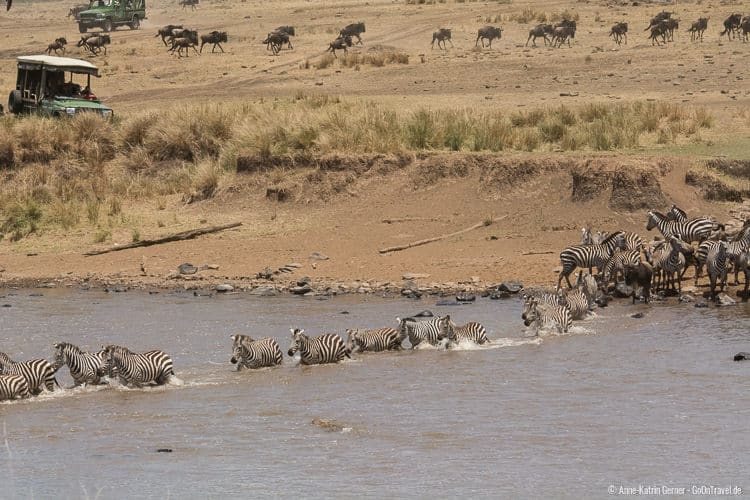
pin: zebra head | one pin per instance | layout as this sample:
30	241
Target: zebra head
402	326
445	328
680	246
653	219
530	313
298	337
239	353
586	238
351	338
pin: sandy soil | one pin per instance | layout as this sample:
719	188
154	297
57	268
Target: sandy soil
537	215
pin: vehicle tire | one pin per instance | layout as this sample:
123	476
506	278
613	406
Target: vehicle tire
15	102
107	26
82	28
135	23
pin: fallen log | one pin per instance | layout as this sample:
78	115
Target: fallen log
485	223
537	253
185	235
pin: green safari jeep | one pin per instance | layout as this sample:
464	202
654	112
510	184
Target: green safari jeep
109	14
42	87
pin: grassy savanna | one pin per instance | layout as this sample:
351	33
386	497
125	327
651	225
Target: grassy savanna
83	170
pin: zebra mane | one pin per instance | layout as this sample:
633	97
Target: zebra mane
4	358
63	345
611	237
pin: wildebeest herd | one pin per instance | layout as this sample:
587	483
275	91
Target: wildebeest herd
628	266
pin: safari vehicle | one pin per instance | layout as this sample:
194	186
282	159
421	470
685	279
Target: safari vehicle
42	87
109	14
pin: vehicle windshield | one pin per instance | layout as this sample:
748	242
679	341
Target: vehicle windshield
74	86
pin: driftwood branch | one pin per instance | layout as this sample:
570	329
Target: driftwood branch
411	219
441	237
185	235
537	253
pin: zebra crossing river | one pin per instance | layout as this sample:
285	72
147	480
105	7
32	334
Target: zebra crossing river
619	401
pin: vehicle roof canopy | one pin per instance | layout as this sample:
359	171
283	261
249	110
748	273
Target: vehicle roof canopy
55	63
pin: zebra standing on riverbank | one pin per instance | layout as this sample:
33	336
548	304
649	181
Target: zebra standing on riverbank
255	353
382	339
429	331
716	266
326	348
39	373
85	367
139	369
588	256
616	265
670	260
13	387
471	331
697	229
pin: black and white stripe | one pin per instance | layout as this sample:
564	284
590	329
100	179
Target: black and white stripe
633	241
430	331
616	265
382	339
138	369
677	214
688	231
669	259
39	373
716	266
326	348
544	316
577	302
256	353
85	368
588	256
471	331
13	387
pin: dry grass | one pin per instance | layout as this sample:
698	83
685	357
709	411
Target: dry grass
532	15
65	173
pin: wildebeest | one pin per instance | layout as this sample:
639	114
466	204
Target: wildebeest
640	276
8	3
697	28
563	31
191	3
619	32
187	40
339	44
82	41
441	36
96	43
660	30
77	9
58	44
731	25
489	33
166	32
539	31
275	40
352	30
658	18
745	27
215	37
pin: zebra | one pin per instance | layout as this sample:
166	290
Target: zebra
39	373
677	214
633	241
383	339
617	263
743	262
716	266
588	255
697	229
735	248
544	315
326	348
430	331
255	353
241	339
669	260
577	301
13	387
85	368
137	369
471	331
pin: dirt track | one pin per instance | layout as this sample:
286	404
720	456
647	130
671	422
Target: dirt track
347	225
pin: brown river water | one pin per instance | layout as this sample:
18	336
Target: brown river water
623	402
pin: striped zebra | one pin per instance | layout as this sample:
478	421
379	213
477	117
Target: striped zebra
39	373
382	339
85	368
697	229
617	263
430	331
588	256
326	348
743	262
633	241
716	266
577	302
471	331
13	387
241	339
255	353
677	214
138	369
735	248
544	316
669	259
